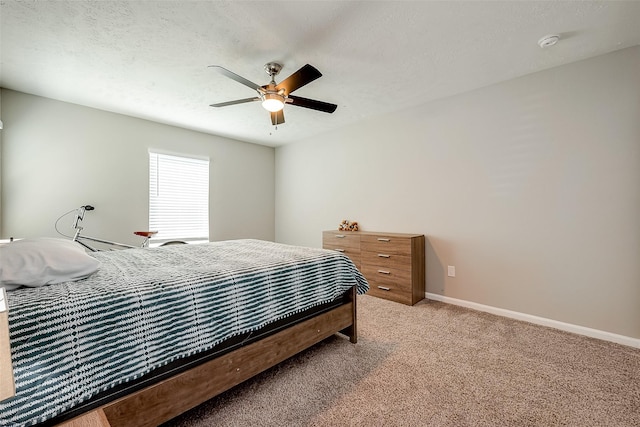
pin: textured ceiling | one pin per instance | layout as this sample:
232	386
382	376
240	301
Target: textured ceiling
149	59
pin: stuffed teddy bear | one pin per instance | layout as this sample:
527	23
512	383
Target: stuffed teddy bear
346	225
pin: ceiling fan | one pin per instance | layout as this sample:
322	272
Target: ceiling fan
275	96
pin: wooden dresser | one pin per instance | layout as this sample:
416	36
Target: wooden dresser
392	263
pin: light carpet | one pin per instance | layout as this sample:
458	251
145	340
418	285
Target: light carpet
436	364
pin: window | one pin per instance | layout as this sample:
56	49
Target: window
178	198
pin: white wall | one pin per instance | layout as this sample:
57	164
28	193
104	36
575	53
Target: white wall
58	156
531	188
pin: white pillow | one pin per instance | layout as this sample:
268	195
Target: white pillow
43	261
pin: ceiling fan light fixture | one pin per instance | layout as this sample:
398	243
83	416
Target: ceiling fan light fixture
273	96
272	102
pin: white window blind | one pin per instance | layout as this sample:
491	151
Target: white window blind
178	197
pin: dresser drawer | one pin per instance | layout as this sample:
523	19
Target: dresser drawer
390	245
386	260
398	277
346	242
390	292
353	254
336	239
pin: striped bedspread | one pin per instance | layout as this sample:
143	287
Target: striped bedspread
147	307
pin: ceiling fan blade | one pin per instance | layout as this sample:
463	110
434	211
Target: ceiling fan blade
303	76
237	101
313	104
235	77
277	118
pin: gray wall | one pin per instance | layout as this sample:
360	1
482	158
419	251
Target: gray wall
58	156
1	133
530	188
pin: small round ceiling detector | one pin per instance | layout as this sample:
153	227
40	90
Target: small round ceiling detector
549	40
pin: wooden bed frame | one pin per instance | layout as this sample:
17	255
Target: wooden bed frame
169	398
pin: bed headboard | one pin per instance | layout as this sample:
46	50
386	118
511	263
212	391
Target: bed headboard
7	386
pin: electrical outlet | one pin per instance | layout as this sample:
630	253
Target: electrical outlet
451	271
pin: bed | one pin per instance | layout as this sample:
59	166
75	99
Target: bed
155	332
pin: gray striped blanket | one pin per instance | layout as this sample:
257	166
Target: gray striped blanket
145	308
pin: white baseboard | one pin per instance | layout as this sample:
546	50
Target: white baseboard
568	327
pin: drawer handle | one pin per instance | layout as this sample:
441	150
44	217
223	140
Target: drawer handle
339	250
384	272
382	239
384	288
384	256
340	236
